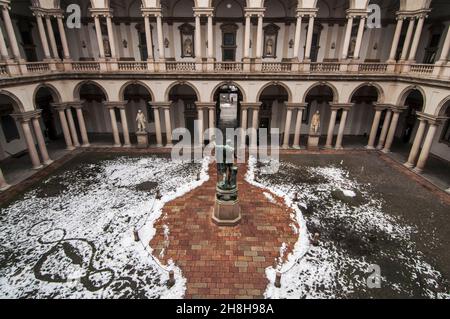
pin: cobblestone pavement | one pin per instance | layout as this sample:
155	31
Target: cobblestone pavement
224	262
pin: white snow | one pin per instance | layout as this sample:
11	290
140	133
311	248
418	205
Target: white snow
80	240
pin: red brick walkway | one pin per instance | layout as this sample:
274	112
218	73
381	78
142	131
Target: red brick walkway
224	262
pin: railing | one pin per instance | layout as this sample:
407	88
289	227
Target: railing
38	67
276	67
86	66
228	67
422	68
133	66
325	67
372	67
180	66
3	70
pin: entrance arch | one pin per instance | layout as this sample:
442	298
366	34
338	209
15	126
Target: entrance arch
184	110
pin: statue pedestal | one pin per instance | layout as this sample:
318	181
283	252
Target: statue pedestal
142	139
313	142
226	210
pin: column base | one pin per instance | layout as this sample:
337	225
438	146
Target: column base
117	145
5	187
70	148
86	145
297	147
369	148
448	191
38	167
286	147
158	145
126	145
46	163
408	165
339	148
169	145
418	170
386	151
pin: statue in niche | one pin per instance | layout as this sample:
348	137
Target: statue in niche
269	47
141	121
107	47
188	47
315	123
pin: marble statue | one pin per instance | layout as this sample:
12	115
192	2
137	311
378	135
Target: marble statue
141	121
315	123
269	47
188	47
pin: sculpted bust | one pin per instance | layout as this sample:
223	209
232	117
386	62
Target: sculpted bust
141	121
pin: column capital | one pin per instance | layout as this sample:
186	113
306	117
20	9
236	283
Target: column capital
202	11
302	12
296	106
382	106
5	4
76	104
431	119
356	13
114	104
344	106
205	105
254	11
27	116
252	105
101	12
414	14
397	108
151	12
157	105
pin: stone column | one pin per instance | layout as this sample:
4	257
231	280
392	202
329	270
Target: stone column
51	36
3	184
159	29
445	49
3	49
115	129
384	130
200	124
43	36
64	126
157	126
25	123
287	128
298	127
259	36
348	34
330	133
374	129
297	36
111	38
41	142
98	31
62	34
415	44
168	124
198	38
341	129
392	130
82	124
398	32
211	111
73	129
425	153
210	37
244	120
148	37
359	38
309	37
417	144
255	126
123	119
10	31
247	36
409	33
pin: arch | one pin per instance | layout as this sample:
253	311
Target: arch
329	85
135	82
404	95
379	89
17	105
76	91
174	84
442	107
274	83
213	93
53	91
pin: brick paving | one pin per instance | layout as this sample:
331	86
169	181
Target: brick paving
224	262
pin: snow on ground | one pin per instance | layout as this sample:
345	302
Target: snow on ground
357	239
72	236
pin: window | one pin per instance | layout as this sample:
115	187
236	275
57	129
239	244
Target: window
229	42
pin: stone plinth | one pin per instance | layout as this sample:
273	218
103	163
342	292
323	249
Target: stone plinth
142	139
313	142
227	211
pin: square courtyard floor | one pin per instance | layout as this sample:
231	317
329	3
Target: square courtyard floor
113	225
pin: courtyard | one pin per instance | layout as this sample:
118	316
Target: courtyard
106	224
